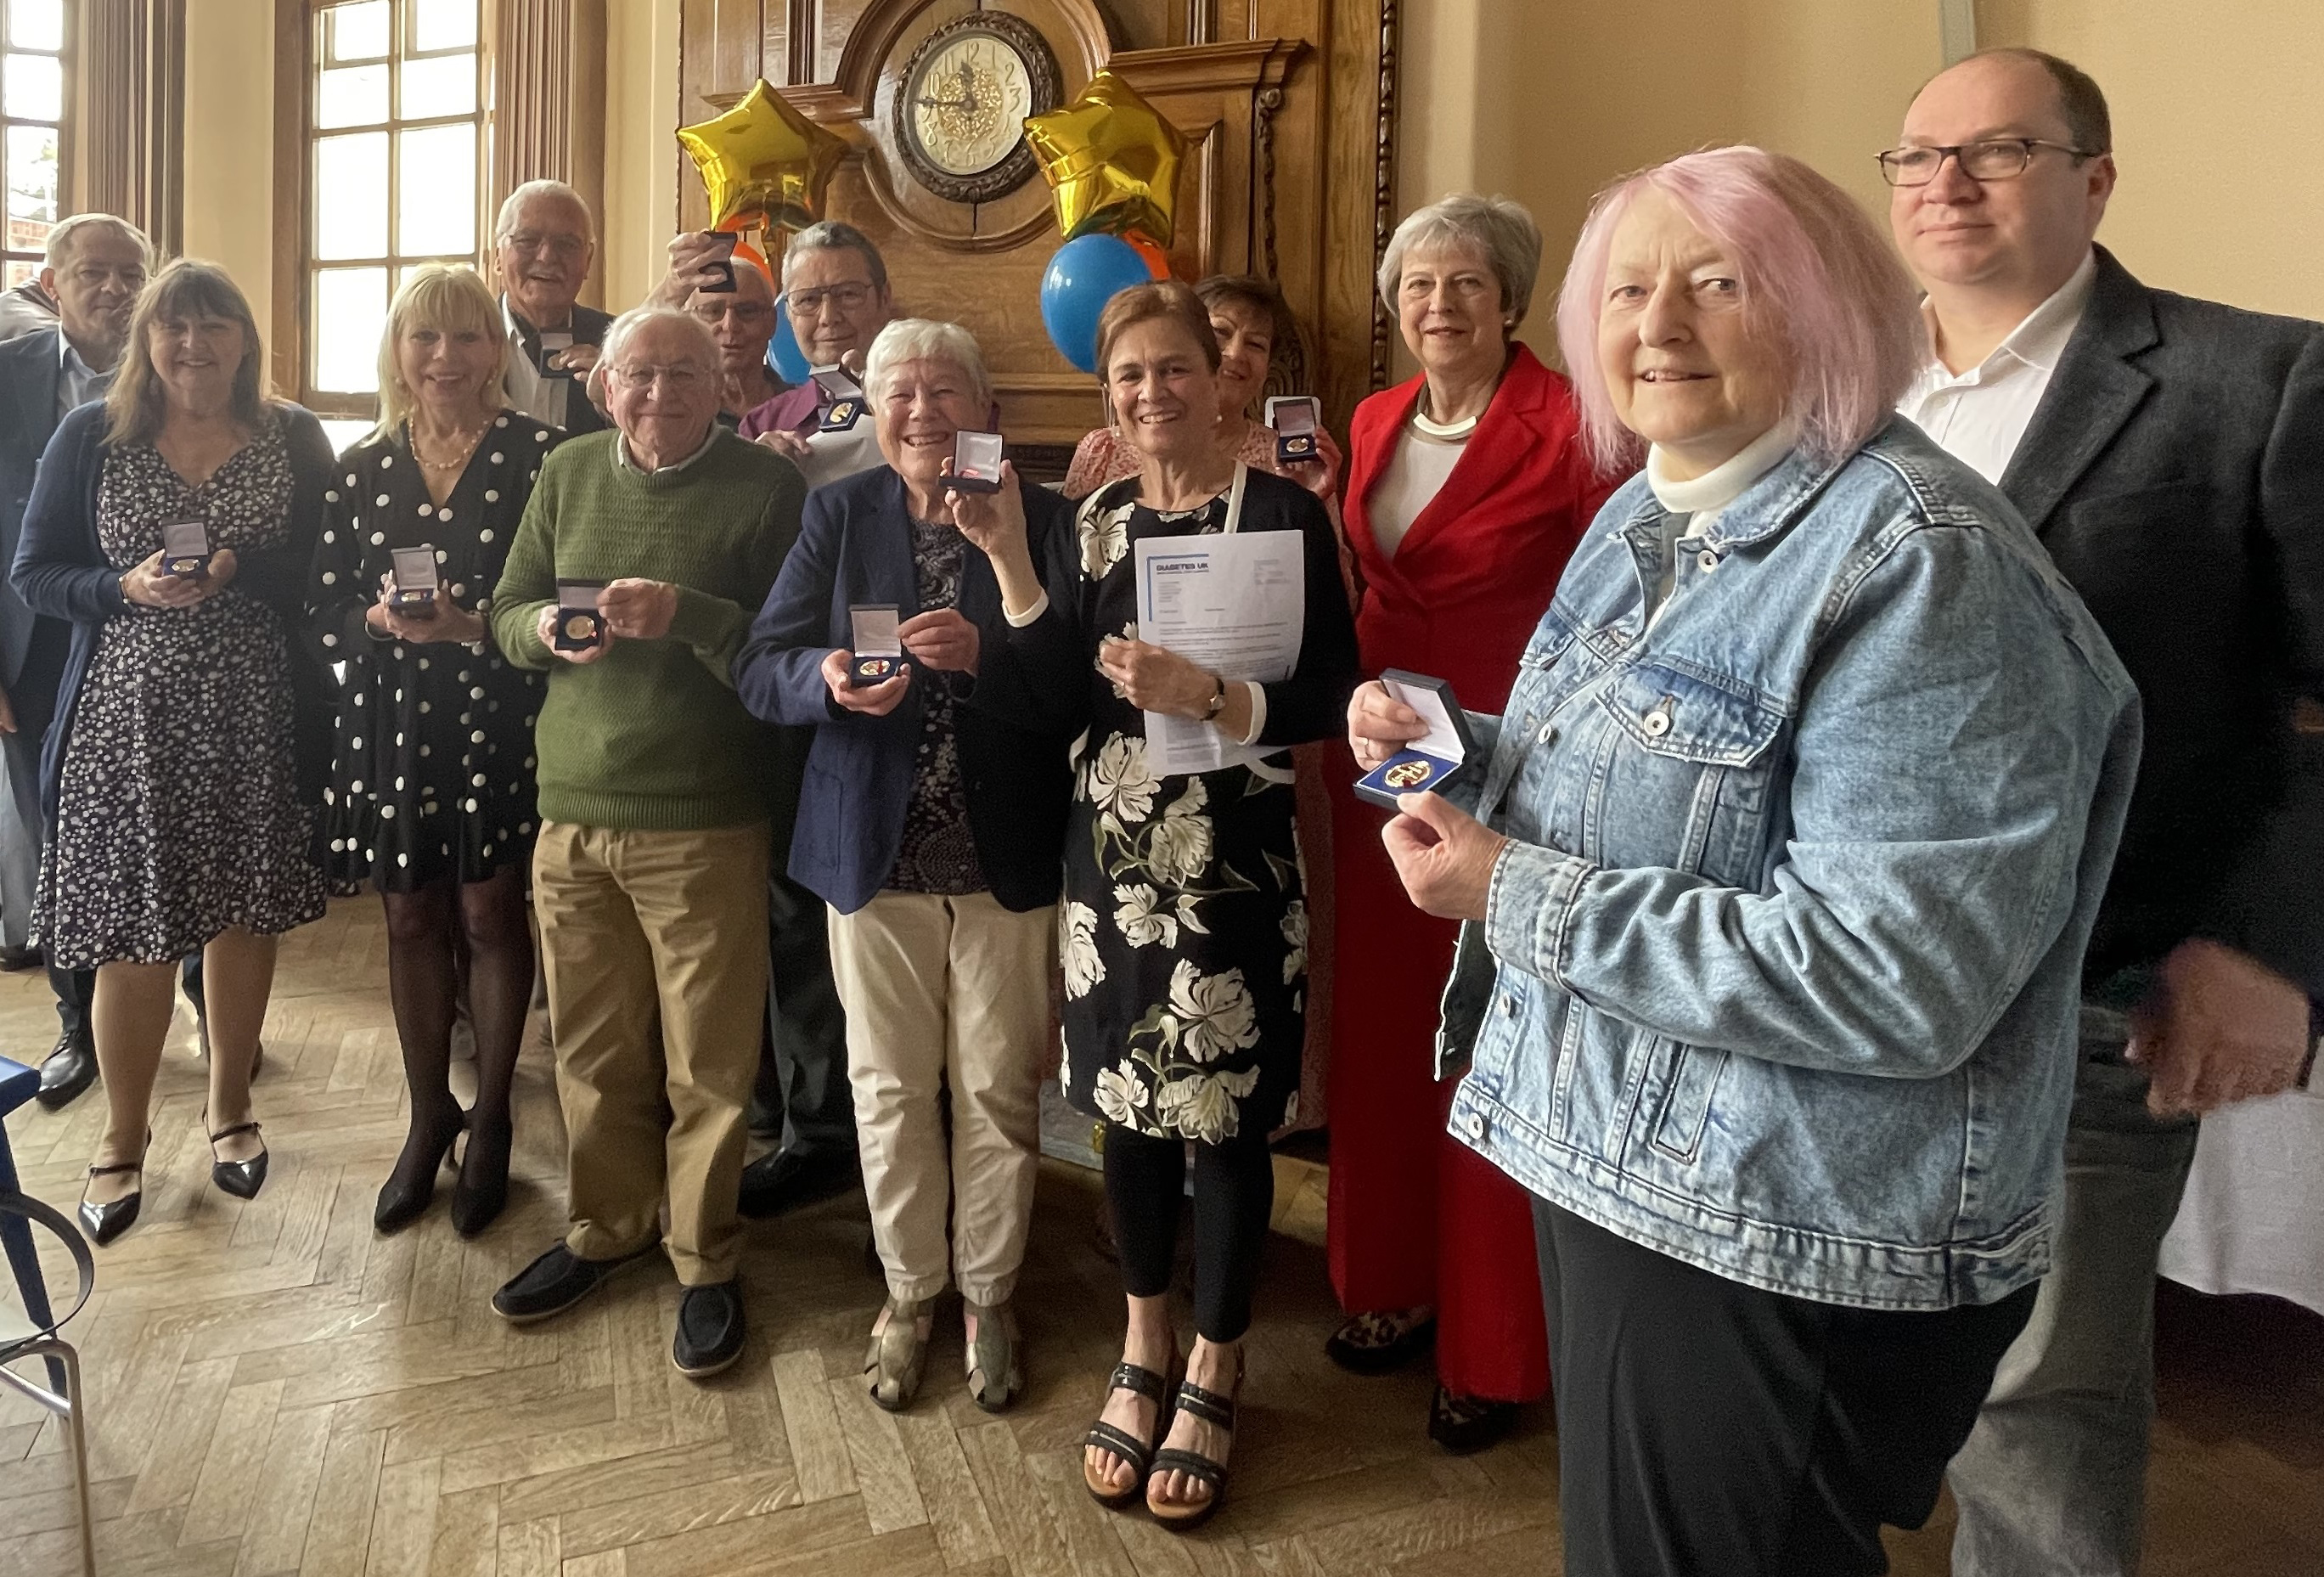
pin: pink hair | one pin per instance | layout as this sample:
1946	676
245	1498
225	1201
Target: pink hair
1819	283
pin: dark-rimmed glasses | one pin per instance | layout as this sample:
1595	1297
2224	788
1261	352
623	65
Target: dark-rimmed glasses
1995	159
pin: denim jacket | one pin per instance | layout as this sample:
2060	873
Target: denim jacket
1779	970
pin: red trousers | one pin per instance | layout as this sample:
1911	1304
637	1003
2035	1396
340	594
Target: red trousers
1417	1217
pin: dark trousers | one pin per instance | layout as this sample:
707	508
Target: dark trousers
1234	1195
803	1059
1710	1429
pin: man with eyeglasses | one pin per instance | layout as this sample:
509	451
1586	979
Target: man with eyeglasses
642	557
2171	454
544	241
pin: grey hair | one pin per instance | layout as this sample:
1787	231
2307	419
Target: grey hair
837	235
504	225
922	339
1495	227
61	241
625	327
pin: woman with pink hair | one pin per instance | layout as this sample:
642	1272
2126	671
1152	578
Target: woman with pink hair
1774	880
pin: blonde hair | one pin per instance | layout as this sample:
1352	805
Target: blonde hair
187	288
447	298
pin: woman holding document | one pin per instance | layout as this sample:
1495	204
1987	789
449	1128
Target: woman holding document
1184	924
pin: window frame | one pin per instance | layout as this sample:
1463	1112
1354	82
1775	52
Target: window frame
301	36
67	57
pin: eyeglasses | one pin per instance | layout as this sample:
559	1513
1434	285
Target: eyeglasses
811	303
2000	158
678	379
531	241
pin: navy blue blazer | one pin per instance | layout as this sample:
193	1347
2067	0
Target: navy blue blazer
31	366
856	546
60	572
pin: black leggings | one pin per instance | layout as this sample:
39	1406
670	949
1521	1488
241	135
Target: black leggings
1234	1194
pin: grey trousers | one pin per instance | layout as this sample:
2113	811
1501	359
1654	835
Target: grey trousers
20	836
2052	1482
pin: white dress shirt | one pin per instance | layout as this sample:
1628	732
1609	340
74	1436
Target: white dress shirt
78	383
538	396
1979	416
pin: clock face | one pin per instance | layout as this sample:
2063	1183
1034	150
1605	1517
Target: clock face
961	101
967	102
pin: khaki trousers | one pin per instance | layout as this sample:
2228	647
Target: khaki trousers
937	989
636	926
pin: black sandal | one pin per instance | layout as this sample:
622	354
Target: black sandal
1138	1453
1214	1409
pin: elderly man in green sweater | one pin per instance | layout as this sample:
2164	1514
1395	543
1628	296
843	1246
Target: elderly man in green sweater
657	788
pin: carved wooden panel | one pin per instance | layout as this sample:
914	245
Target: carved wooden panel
1280	107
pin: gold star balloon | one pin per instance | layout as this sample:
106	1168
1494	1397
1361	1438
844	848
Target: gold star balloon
763	157
1111	160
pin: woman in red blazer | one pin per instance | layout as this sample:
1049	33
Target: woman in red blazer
1467	488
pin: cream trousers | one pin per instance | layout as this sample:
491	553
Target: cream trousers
946	990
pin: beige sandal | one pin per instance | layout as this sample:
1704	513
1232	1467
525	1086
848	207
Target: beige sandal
996	1377
899	1353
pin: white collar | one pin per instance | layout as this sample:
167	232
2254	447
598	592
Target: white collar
1724	482
68	359
2038	341
621	461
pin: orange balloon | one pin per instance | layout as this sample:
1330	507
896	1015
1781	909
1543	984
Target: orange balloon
1158	262
746	253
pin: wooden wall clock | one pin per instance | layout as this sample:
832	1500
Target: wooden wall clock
961	100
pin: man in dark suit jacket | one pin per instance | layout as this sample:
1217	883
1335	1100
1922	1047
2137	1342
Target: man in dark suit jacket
2171	454
543	243
96	266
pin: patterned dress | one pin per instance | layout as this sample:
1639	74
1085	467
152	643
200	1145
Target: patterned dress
1184	928
432	764
938	852
178	812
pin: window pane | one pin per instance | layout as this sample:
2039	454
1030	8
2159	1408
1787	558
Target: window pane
18	272
352	96
32	186
350	314
437	209
358	32
36	25
351	195
445	85
34	87
343	431
443	24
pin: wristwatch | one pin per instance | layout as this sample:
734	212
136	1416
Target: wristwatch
1218	699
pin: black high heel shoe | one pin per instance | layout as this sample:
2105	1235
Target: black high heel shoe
398	1208
243	1179
105	1222
481	1193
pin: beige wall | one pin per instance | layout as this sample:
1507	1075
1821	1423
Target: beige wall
2219	129
1546	100
230	208
641	147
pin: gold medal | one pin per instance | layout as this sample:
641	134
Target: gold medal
1406	774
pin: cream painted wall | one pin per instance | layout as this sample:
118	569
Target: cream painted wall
640	149
2218	130
230	209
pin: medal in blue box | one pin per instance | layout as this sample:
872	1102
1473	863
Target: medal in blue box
185	548
1432	763
1295	419
579	625
412	589
841	397
878	651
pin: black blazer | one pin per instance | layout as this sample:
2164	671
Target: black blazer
589	326
854	546
2175	470
60	572
29	370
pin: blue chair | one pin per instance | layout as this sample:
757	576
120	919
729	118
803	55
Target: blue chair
34	1334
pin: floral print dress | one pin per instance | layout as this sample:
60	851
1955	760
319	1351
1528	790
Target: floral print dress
1183	925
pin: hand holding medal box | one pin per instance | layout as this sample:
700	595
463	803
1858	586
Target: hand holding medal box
185	548
1295	419
842	399
412	587
579	624
879	650
1432	763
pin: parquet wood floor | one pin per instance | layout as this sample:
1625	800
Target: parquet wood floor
275	1390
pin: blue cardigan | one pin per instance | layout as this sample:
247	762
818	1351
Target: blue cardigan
60	571
856	546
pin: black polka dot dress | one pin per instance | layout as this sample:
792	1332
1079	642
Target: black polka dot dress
179	812
433	763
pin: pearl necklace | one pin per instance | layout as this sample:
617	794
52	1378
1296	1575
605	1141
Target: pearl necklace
459	462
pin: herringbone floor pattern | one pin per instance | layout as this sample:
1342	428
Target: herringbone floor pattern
276	1390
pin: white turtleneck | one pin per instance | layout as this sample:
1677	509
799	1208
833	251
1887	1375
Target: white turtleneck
1697	501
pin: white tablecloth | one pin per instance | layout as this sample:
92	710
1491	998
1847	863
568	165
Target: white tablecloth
2253	1220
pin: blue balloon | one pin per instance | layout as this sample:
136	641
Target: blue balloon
783	354
1086	272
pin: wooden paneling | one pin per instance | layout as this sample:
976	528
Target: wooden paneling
1281	108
